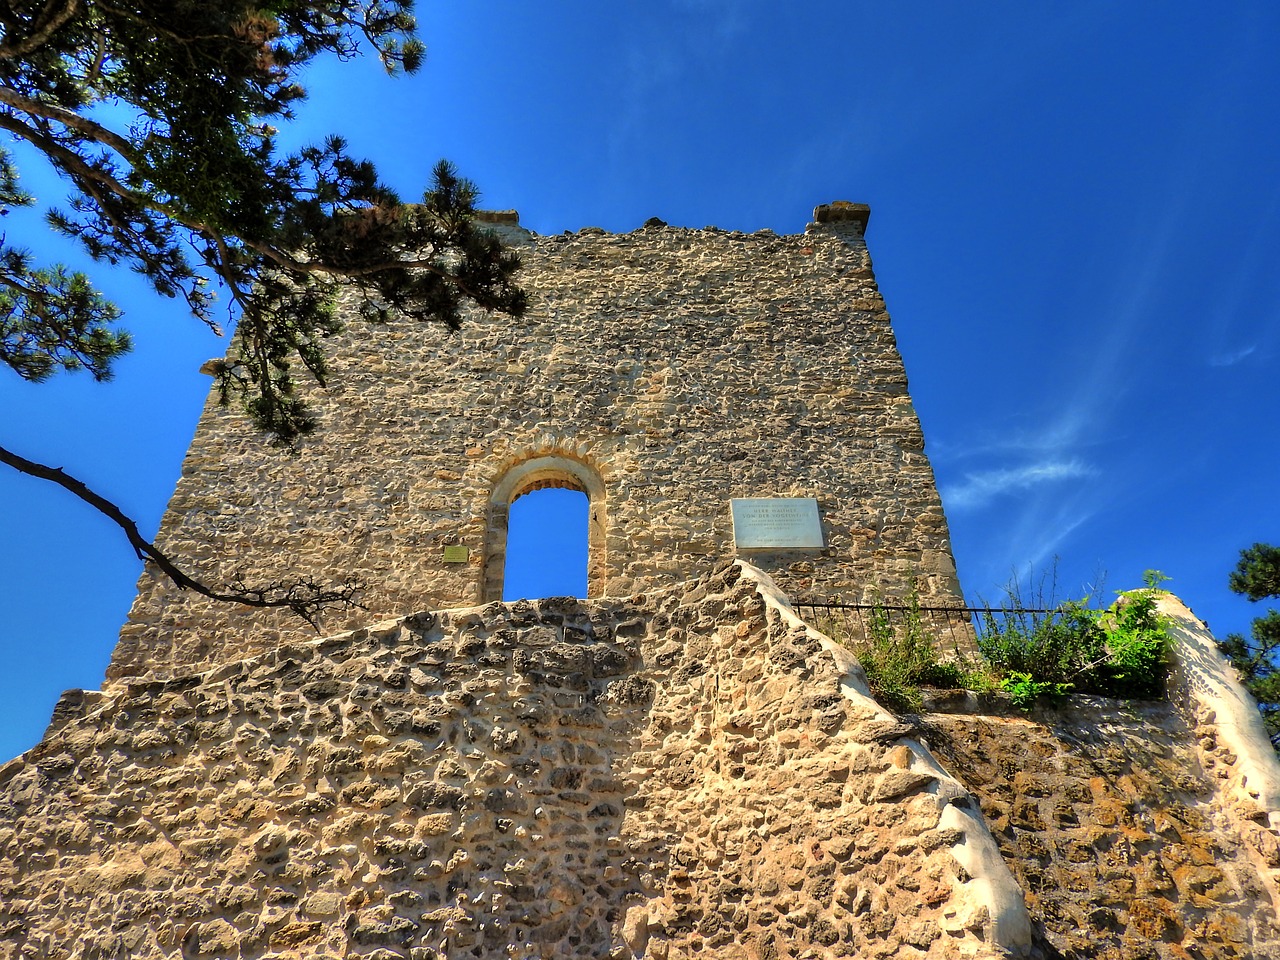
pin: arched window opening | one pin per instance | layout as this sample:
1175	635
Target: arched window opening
546	545
548	540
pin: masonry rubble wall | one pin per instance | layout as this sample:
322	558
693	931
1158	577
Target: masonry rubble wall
1116	821
1136	829
665	371
688	773
691	773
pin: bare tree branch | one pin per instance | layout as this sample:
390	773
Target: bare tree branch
303	596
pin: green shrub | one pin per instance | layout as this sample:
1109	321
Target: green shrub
1049	647
1025	691
1137	662
1119	652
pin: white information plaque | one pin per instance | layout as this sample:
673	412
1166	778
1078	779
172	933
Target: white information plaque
776	523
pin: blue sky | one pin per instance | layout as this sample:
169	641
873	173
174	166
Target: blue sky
1075	224
546	545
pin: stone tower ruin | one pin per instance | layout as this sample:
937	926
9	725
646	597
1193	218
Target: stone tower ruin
663	372
675	767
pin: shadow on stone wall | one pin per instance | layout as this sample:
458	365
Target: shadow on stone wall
1114	830
448	782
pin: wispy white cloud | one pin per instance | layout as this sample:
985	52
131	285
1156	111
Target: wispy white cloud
1027	549
1054	440
979	489
1233	319
1232	358
1042	544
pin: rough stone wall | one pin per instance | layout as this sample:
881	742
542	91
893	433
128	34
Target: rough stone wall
690	774
1114	820
680	367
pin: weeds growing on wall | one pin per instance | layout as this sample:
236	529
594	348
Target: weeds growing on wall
899	656
1024	690
1051	648
1137	664
1120	651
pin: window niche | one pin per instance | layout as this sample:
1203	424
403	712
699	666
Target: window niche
530	476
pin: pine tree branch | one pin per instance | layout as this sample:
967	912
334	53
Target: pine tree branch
303	597
83	127
198	173
283	260
53	16
151	24
82	172
72	162
85	174
100	185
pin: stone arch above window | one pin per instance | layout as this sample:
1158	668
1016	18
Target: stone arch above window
539	473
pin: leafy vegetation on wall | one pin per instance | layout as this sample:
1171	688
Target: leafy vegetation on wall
1120	651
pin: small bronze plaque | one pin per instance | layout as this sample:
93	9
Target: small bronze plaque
456	554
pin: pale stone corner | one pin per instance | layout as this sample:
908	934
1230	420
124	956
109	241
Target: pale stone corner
1204	680
992	890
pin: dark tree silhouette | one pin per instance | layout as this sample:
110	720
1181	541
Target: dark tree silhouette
159	116
1257	576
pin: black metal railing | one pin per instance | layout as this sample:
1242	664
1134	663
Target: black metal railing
952	627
